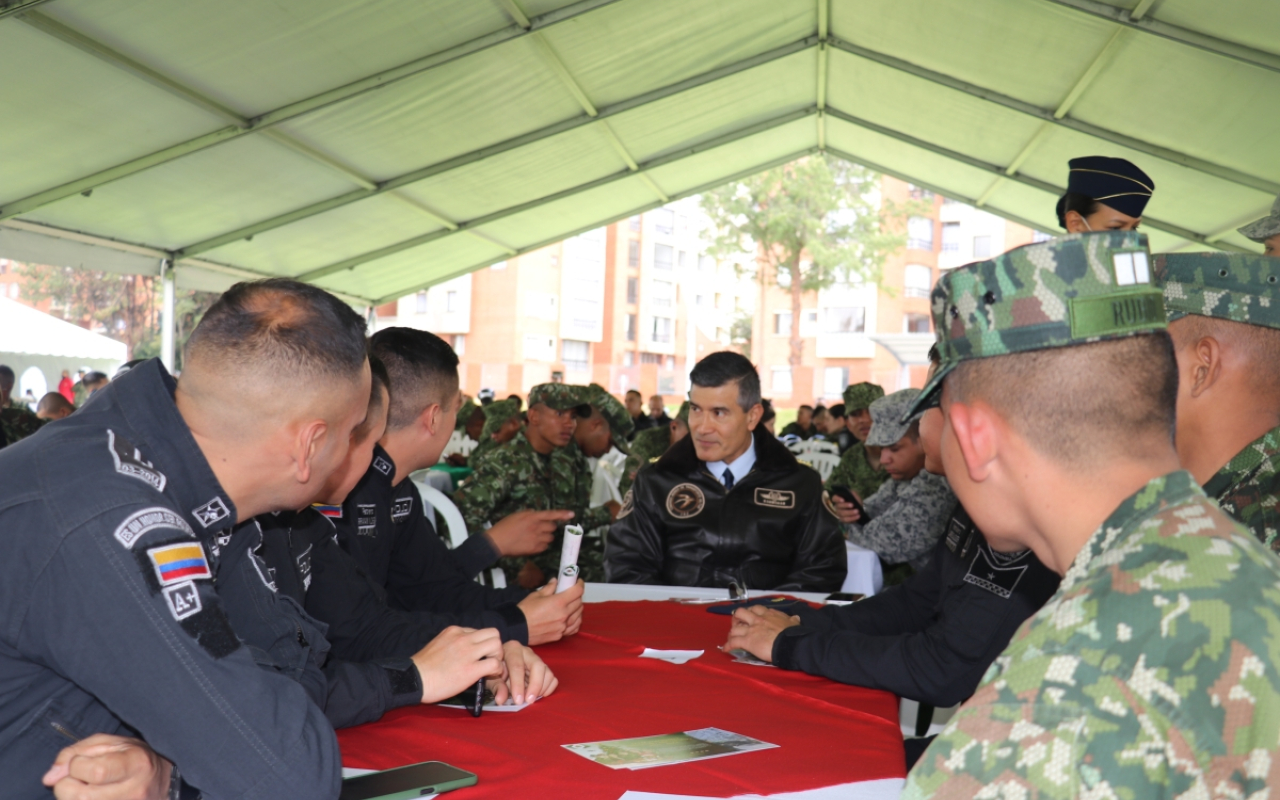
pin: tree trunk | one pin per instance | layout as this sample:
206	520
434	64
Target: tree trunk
797	344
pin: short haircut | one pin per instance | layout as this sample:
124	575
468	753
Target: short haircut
724	366
1080	405
53	402
769	413
94	377
283	327
516	397
819	408
423	369
636	392
837	411
805	408
7	378
1259	345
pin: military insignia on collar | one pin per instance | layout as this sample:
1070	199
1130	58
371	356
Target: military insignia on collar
628	504
183	600
140	523
211	512
996	575
685	500
960	537
400	509
382	465
830	506
775	498
129	461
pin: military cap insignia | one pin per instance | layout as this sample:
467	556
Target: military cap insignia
775	498
685	500
628	504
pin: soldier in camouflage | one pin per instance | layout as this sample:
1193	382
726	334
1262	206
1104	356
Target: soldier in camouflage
16	420
1154	664
1224	317
859	469
520	474
649	445
906	515
501	423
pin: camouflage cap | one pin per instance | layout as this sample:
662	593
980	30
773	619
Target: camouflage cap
620	422
1263	229
464	415
1080	288
561	397
1234	286
891	417
861	395
683	413
496	414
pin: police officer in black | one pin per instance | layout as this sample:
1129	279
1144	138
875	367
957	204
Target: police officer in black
112	531
728	503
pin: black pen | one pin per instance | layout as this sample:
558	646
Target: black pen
478	705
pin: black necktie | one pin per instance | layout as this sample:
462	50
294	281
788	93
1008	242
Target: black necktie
728	479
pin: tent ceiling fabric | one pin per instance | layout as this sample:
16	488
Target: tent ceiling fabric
376	148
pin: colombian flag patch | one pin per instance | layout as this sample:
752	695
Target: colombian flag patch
175	563
332	512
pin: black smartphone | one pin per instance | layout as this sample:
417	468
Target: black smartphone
849	497
401	783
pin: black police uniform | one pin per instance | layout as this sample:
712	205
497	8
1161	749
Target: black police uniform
283	638
112	622
773	530
931	638
385	531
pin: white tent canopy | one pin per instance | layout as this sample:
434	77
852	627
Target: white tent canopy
33	339
375	148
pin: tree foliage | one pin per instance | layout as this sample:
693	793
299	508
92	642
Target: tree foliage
810	224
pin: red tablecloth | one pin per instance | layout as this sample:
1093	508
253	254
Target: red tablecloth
828	733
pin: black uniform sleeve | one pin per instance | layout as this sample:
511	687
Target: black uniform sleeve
164	659
360	693
634	550
907	608
821	563
474	556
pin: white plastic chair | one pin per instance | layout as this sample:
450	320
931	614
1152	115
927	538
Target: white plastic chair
455	526
824	463
818	446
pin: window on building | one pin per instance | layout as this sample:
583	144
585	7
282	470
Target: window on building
576	355
981	247
917	280
450	301
663	295
810	318
634	223
834	380
1040	236
682	224
662	330
951	237
719	298
662	254
539	348
781	380
700	300
633	253
421	303
628	358
671	362
631	327
682	259
782	322
651	358
4	265
846	319
541	305
633	290
917	194
664	221
460	344
915	323
920	233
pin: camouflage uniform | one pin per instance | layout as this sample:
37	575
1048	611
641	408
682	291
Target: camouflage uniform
907	517
515	477
495	415
1151	672
17	423
1240	288
648	446
856	470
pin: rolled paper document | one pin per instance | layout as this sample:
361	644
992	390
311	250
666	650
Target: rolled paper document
569	558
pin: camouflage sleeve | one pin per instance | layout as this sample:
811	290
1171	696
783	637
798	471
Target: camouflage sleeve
909	527
480	494
845	472
855	471
629	468
16	424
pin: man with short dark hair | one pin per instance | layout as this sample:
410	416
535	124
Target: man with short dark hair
836	431
727	503
116	628
859	469
1148	671
634	402
1224	317
502	421
658	412
802	427
53	406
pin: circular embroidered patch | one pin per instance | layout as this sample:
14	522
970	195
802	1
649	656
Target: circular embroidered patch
826	501
628	504
685	500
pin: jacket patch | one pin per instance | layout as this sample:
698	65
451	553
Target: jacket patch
999	580
628	504
685	500
183	600
304	567
129	461
211	512
400	509
366	519
332	512
382	465
960	536
830	506
140	523
775	498
175	563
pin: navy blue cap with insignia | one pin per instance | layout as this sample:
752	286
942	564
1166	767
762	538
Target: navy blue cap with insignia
1112	181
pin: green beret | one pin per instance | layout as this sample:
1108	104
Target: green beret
861	395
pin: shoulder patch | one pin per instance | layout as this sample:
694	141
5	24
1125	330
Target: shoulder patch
175	563
828	505
332	512
382	465
628	504
211	512
775	498
654	460
129	461
401	508
999	579
685	500
183	600
140	523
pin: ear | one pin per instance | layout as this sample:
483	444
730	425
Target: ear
431	418
753	416
1204	365
978	436
310	440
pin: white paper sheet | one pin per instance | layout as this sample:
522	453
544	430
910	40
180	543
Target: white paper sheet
886	789
674	656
